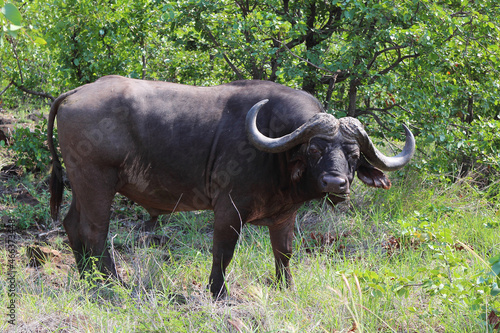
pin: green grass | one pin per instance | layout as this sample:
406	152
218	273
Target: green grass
411	259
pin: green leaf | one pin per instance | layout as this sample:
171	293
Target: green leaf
13	33
494	289
40	41
14	27
12	14
496	268
494	259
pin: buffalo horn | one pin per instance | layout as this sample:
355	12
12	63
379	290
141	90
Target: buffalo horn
352	127
322	124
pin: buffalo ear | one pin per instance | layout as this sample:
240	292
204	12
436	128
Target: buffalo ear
372	176
297	168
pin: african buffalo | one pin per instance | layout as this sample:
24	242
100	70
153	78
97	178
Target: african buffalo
251	151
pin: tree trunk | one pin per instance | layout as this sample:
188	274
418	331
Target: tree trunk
329	92
470	110
309	81
353	90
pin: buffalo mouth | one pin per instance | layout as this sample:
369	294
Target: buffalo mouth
333	198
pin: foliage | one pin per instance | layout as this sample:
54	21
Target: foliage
12	23
20	42
453	268
26	215
446	279
29	146
24	201
433	65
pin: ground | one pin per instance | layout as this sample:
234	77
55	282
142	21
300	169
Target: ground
416	258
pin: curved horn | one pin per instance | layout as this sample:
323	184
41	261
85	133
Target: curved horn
322	123
372	154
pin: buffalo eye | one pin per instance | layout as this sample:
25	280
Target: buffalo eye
314	151
352	153
354	156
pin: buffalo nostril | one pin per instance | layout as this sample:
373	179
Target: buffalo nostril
334	184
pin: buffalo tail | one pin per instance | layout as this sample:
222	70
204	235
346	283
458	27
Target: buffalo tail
56	184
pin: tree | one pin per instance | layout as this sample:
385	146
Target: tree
431	64
12	56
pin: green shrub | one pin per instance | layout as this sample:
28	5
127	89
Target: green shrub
30	147
26	215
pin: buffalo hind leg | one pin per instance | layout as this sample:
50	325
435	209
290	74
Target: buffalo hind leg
227	228
87	224
71	224
282	242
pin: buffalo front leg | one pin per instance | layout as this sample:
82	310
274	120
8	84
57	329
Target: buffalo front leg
227	227
282	243
151	225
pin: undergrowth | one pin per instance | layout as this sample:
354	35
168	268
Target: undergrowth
416	258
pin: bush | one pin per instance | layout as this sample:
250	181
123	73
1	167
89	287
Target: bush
29	146
26	215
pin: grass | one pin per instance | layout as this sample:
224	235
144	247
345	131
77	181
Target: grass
389	261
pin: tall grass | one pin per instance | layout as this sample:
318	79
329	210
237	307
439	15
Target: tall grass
387	261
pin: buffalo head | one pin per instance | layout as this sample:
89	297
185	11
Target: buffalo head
330	151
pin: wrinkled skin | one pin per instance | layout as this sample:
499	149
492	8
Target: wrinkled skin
171	147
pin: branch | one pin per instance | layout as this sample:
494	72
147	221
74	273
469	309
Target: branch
32	92
457	29
14	50
335	15
339	76
321	34
460	14
305	60
400	59
404	109
360	112
397	62
377	119
329	92
311	37
233	67
5	89
376	55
